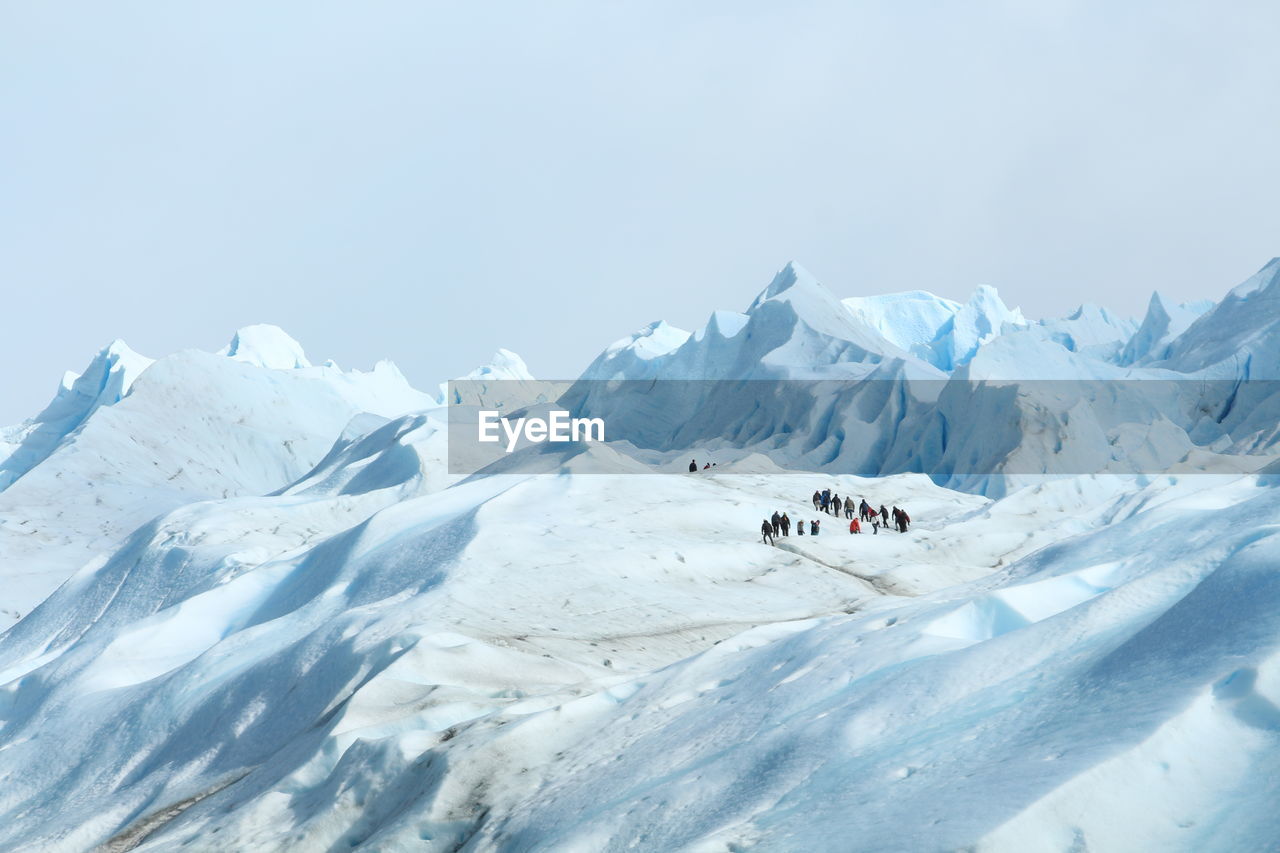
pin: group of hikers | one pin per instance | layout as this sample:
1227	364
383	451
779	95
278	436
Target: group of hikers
827	501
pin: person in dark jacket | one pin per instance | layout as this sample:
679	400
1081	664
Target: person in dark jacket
775	521
835	504
817	498
766	530
900	519
865	511
813	527
693	466
884	516
786	525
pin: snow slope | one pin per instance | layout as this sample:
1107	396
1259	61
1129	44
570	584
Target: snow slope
909	321
1162	323
491	385
131	438
1237	337
1094	330
584	663
284	626
104	382
983	318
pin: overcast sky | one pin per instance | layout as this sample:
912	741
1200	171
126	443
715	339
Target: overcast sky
429	181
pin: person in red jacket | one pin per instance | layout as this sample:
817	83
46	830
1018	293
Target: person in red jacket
854	526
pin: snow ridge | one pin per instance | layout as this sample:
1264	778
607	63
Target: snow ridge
265	345
105	382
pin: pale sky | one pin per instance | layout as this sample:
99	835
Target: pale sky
429	181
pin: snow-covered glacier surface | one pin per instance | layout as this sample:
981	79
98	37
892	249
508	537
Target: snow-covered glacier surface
248	608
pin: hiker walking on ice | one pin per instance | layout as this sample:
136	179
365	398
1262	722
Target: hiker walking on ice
813	527
775	521
786	525
693	466
901	519
766	530
848	507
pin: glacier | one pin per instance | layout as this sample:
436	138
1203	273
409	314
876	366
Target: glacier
248	607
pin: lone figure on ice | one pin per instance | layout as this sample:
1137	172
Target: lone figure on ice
766	529
693	466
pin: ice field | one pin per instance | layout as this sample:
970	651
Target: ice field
247	607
